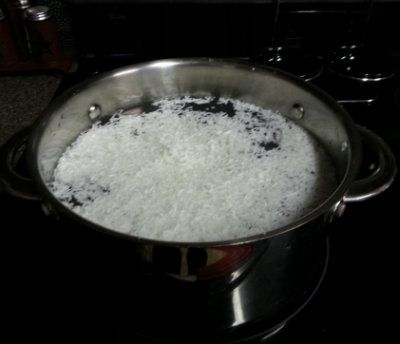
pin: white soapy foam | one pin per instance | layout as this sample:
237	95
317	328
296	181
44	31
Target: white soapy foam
182	172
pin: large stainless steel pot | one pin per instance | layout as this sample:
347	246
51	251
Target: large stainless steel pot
290	253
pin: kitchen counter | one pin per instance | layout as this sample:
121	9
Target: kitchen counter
22	98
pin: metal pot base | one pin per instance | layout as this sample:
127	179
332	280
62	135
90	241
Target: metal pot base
194	325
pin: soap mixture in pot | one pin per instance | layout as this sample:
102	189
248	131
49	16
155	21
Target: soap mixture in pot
194	169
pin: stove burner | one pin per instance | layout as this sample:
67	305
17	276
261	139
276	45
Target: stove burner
290	60
361	64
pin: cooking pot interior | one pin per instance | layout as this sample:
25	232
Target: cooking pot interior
136	86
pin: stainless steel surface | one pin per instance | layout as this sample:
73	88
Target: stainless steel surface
38	13
288	254
381	178
258	295
132	86
272	293
336	211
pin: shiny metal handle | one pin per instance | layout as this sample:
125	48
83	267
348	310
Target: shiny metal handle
381	178
11	181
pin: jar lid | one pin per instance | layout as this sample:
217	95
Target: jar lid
38	13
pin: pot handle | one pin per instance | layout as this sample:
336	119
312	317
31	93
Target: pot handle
382	176
11	180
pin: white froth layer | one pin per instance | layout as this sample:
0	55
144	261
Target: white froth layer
180	173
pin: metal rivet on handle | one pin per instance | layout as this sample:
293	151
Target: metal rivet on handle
94	111
336	211
298	111
340	208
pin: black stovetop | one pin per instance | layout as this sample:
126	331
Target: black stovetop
53	295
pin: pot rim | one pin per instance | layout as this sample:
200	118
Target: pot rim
354	148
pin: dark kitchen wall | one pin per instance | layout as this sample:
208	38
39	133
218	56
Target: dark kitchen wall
228	29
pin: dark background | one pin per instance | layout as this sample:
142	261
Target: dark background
359	296
226	28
